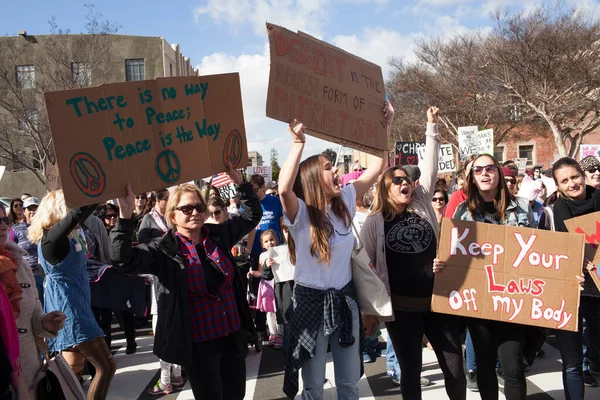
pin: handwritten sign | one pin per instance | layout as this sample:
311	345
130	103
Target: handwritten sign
485	142
589	226
52	177
589	150
339	97
407	152
446	160
468	141
151	134
511	274
264	171
521	164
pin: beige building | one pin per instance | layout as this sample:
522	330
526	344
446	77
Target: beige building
254	159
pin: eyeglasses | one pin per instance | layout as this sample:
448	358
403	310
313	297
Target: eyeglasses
142	197
438	199
18	205
110	216
215	213
188	209
163	198
510	180
398	180
593	170
478	169
6	220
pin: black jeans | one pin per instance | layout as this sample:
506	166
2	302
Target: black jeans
571	350
493	339
443	332
219	370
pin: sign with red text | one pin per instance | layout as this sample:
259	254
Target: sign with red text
264	170
337	96
408	152
589	226
510	274
589	150
151	134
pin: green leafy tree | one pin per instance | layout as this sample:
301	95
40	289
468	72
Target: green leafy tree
275	168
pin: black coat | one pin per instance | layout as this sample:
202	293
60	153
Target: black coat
173	338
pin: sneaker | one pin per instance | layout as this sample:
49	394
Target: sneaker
425	382
160	390
500	375
472	381
278	343
368	357
395	380
272	340
589	380
177	381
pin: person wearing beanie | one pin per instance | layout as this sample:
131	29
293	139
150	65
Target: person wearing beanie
510	179
591	169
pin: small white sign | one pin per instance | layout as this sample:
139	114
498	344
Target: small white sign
446	160
265	171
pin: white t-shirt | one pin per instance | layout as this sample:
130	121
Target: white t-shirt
359	220
309	272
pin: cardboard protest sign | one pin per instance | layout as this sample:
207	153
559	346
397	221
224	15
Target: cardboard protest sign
589	226
407	152
152	134
521	164
264	171
339	97
485	140
468	141
52	177
446	160
589	150
511	274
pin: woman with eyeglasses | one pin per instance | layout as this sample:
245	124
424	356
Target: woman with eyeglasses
203	319
400	237
153	224
16	211
439	201
217	211
490	201
318	213
140	206
591	169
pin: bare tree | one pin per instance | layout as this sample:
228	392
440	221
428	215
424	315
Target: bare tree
548	61
32	65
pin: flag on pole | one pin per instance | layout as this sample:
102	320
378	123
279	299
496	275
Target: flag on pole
221	180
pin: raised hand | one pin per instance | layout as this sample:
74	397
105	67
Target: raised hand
432	114
234	174
296	128
126	204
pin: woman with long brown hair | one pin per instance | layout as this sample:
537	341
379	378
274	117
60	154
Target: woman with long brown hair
400	237
318	213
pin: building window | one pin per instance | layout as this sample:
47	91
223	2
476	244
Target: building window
82	74
527	151
134	70
170	69
499	154
25	76
29	121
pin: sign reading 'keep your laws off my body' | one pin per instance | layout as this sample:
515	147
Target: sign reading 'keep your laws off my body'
152	134
511	274
336	95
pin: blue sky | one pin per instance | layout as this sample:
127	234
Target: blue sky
229	35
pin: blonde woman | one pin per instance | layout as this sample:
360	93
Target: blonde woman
62	255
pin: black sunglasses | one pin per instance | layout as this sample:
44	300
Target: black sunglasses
398	180
188	209
478	169
592	170
6	220
510	180
216	212
142	197
438	199
110	216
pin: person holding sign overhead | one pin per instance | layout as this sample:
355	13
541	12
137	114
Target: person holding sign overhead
490	201
319	213
400	237
203	319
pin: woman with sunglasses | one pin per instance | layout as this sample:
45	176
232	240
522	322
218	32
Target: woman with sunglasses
490	201
318	213
400	237
140	206
576	199
217	211
16	211
439	201
203	318
591	168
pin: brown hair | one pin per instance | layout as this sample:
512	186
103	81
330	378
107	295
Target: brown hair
383	201
474	200
309	187
267	233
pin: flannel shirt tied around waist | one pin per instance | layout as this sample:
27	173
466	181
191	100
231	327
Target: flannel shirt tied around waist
310	309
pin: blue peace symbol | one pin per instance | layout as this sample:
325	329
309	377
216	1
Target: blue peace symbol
168	166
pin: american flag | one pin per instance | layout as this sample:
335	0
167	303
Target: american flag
221	180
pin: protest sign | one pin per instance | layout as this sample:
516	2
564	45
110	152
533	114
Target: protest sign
468	142
152	134
521	164
337	96
264	171
507	273
485	140
589	226
52	177
589	150
446	160
407	152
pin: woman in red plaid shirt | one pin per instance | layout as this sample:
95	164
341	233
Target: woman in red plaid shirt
203	319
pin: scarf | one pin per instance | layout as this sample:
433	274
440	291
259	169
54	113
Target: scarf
10	336
8	278
565	208
160	220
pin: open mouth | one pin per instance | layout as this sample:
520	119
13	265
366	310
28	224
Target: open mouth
405	190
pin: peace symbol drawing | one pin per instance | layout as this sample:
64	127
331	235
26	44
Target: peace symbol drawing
88	175
232	150
168	166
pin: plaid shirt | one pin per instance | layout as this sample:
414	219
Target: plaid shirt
212	316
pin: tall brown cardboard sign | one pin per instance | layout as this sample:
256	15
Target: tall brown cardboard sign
339	97
589	227
152	134
511	274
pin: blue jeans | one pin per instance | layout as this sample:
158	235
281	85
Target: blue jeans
391	360
470	353
346	364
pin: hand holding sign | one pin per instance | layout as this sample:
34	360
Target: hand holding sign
234	174
296	128
432	115
126	204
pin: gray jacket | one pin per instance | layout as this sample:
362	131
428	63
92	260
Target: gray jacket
95	225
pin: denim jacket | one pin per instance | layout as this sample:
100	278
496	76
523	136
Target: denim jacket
518	213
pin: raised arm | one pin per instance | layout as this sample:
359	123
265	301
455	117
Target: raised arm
430	167
375	164
55	243
287	175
